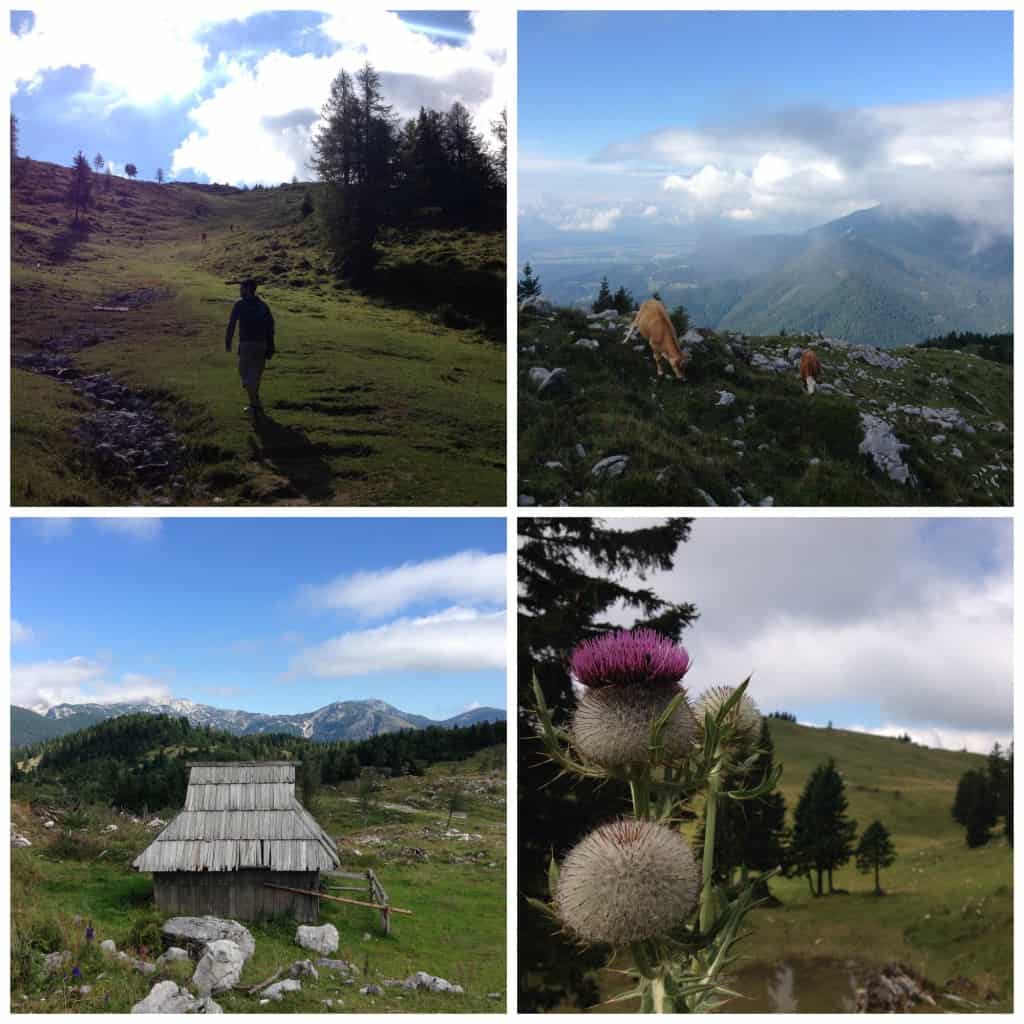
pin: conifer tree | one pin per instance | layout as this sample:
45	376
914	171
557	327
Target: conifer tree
623	301
130	170
604	298
571	575
822	838
160	175
975	807
528	286
80	187
98	162
874	851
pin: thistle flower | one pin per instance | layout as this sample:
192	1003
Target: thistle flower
744	718
612	726
627	881
89	932
639	657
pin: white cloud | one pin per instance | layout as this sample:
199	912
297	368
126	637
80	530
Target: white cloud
20	633
892	620
807	165
258	124
456	640
53	527
584	219
979	742
469	576
649	211
136	528
40	685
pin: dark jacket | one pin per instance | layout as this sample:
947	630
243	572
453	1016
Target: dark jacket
255	323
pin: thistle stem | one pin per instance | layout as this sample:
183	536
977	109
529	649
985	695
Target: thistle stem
640	790
708	862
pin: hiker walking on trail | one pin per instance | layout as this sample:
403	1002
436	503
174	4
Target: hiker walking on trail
255	341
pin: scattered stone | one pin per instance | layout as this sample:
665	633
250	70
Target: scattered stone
581	452
156	823
17	839
207	1005
430	983
194	933
776	364
220	968
322	939
109	947
876	357
956	453
606	314
167	997
536	306
109	828
553	465
725	398
730	368
814	462
279	988
611	466
539	374
590	343
57	961
371	990
173	955
49	824
893	989
303	969
766	502
938	438
345	966
946	419
884	448
708	500
557	383
493	995
527	501
142	967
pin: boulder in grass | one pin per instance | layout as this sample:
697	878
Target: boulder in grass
173	955
303	969
167	997
430	983
220	968
279	988
322	939
194	933
109	947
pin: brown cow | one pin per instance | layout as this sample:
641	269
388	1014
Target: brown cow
810	370
653	323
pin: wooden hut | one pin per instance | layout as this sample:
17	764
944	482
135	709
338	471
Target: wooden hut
242	827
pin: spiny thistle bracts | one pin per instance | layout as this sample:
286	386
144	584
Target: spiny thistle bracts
627	881
638	657
744	718
612	726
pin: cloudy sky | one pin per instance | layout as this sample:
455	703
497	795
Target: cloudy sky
272	615
233	96
760	121
879	625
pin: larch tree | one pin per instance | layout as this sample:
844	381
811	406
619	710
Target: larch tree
80	186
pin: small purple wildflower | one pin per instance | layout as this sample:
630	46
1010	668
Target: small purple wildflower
76	973
89	933
639	657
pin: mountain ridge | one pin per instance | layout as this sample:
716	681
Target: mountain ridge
340	720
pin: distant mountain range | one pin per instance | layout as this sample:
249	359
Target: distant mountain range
875	276
343	720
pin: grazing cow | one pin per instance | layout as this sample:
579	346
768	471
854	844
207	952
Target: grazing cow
810	370
653	323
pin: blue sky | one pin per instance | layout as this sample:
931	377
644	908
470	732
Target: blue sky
232	99
768	120
879	625
275	615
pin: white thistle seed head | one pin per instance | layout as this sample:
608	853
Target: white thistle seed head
627	881
612	725
744	718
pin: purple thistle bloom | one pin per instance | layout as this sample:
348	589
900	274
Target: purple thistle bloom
639	657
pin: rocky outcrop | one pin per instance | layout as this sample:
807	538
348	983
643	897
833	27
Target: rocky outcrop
168	997
430	983
884	448
893	989
279	989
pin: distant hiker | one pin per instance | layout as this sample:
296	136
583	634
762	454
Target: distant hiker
255	340
810	370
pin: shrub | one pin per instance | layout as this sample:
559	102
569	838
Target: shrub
145	933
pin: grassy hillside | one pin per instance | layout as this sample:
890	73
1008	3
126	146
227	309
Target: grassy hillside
948	910
395	398
455	887
740	430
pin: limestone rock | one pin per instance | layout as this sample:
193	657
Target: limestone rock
220	968
322	939
430	983
884	448
194	933
611	466
167	997
109	947
279	988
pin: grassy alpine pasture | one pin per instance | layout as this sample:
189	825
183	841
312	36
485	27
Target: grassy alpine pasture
457	895
947	911
394	398
765	442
